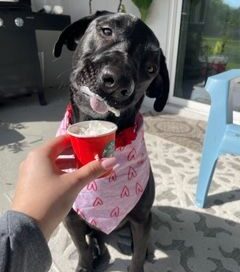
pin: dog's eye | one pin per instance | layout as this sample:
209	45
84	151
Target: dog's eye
151	69
107	31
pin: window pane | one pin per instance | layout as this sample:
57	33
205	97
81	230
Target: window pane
209	44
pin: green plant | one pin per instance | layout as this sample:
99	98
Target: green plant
219	47
143	6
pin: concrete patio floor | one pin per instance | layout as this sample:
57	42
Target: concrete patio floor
25	124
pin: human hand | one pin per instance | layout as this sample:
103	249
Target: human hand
46	193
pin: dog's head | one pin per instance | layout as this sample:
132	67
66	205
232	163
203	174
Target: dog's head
119	59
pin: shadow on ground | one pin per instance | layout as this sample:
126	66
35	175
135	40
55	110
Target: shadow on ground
27	108
21	119
186	241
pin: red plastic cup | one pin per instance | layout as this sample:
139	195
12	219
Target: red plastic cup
96	145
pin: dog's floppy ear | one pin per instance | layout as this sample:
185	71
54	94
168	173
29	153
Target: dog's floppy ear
74	32
159	88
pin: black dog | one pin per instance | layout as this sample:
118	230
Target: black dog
119	59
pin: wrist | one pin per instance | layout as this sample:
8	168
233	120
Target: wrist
36	218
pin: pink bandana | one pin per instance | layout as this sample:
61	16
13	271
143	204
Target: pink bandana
105	202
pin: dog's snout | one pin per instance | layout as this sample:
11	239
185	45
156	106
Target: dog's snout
116	82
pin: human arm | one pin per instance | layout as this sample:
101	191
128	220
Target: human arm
23	246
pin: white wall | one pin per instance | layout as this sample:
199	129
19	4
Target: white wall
158	22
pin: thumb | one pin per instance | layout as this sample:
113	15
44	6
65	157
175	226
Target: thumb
89	172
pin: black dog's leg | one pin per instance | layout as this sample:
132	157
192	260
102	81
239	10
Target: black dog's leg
78	229
140	219
101	253
140	234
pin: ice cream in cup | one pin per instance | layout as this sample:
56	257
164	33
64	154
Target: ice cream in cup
92	140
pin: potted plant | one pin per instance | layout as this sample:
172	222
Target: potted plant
213	59
218	61
142	5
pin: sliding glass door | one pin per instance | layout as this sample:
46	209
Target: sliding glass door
209	43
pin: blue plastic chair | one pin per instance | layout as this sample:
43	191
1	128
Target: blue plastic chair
222	136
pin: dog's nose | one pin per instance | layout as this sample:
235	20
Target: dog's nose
108	80
116	83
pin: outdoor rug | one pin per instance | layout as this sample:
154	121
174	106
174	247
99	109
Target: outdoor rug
185	238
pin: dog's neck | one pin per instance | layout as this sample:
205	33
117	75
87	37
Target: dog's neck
125	120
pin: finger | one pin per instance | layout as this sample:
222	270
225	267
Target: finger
89	172
56	146
66	163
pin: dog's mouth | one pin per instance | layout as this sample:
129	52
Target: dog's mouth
97	103
85	83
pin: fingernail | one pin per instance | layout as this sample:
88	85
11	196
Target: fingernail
97	157
108	163
116	166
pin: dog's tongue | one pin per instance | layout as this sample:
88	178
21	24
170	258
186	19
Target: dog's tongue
98	105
